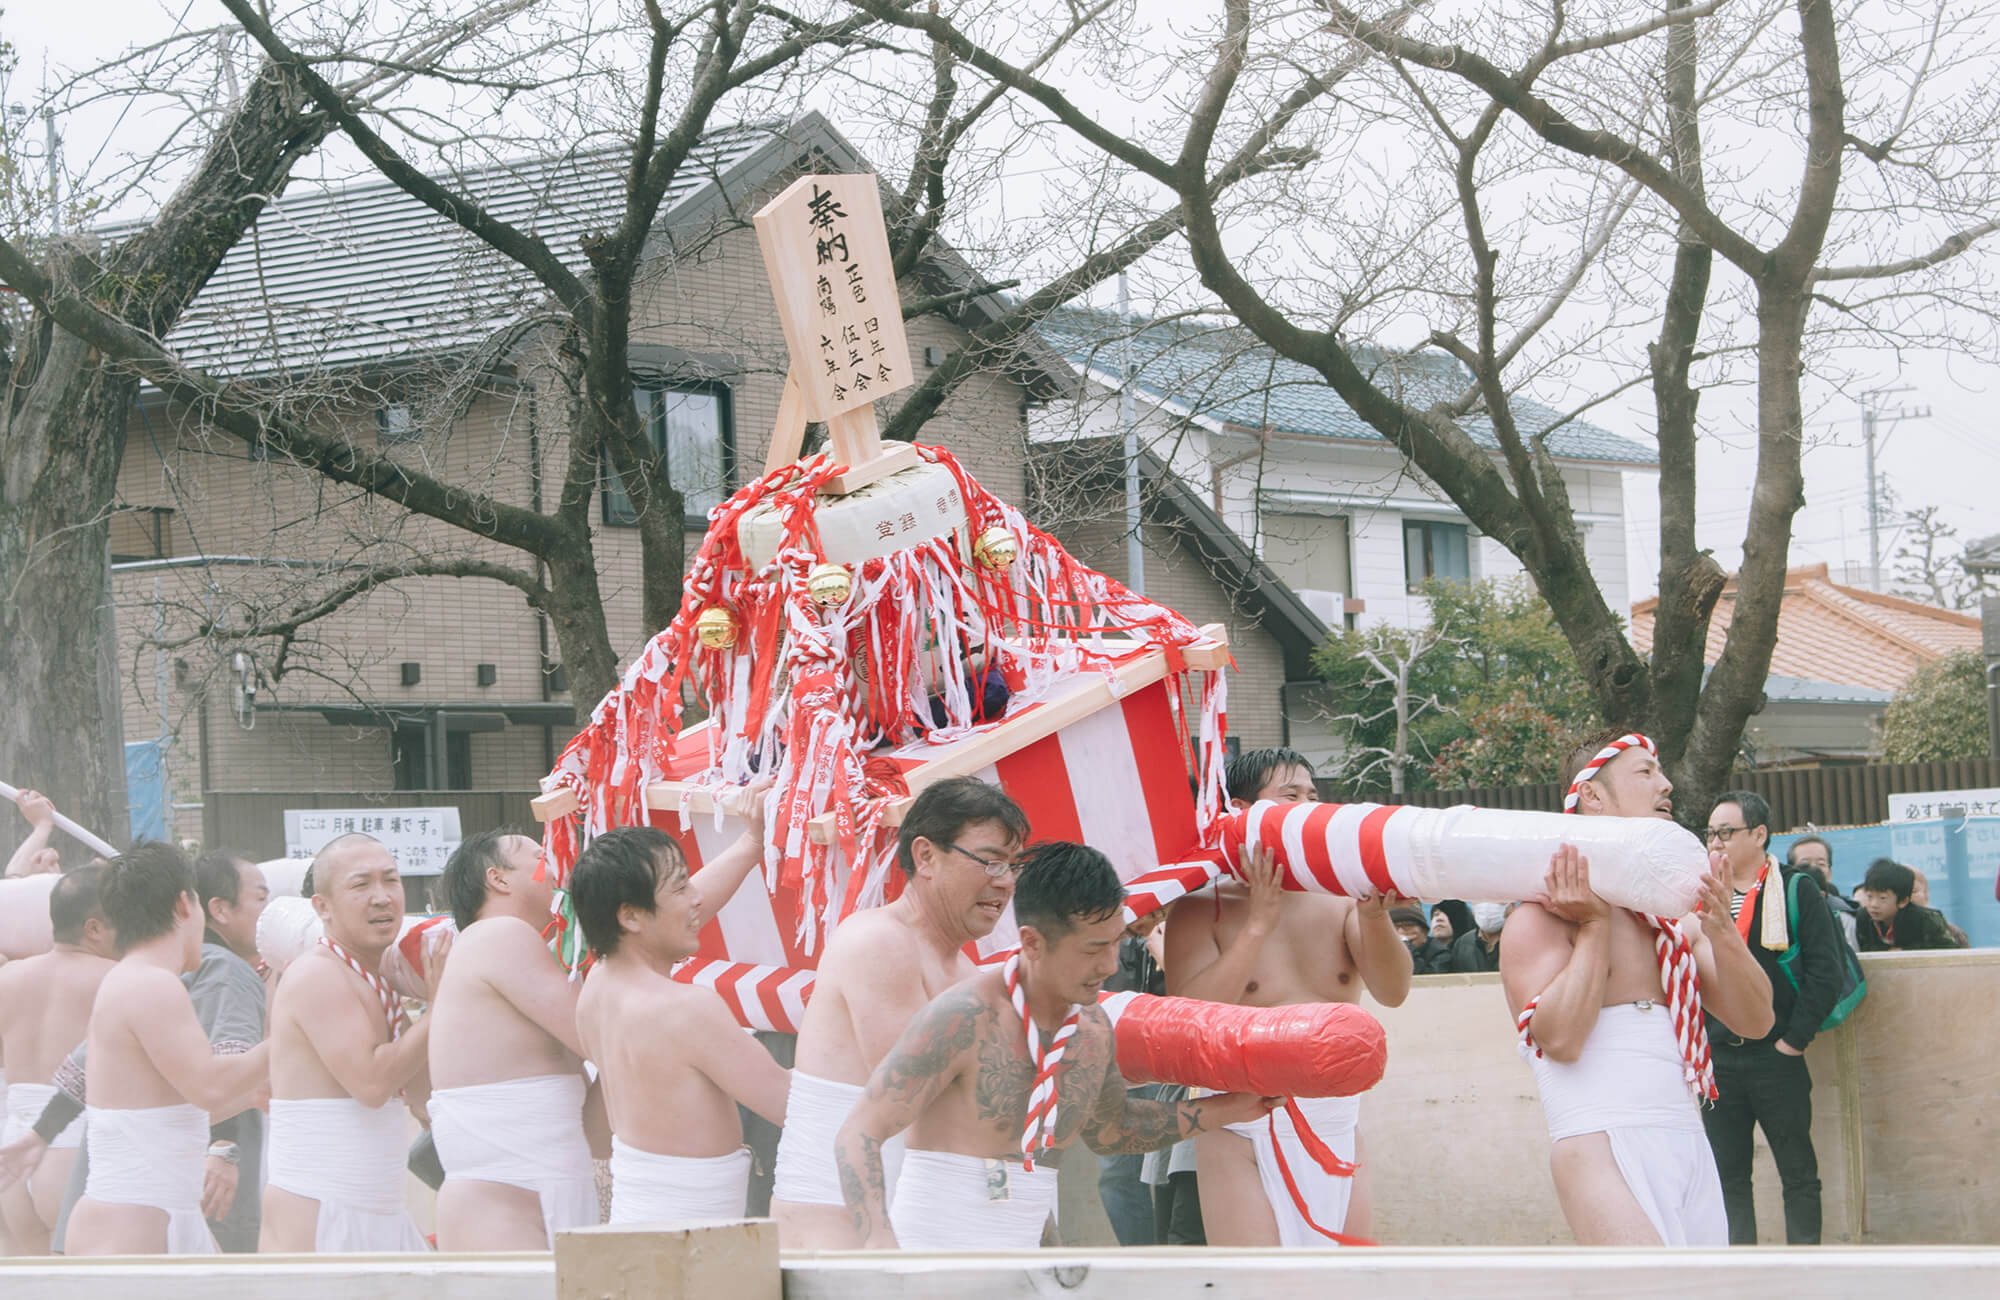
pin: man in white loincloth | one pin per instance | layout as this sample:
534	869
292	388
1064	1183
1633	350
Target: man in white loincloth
675	1063
1609	1007
45	1004
154	1079
958	848
1255	944
507	1084
1004	1070
340	1056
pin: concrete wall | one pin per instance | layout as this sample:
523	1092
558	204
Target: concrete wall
1908	1149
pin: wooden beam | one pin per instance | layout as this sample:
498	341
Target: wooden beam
788	431
888	460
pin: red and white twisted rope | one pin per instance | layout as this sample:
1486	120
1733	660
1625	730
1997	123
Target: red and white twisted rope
392	1006
1039	1133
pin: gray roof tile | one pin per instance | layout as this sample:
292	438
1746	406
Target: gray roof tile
1223	372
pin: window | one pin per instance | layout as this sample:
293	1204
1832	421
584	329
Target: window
1310	552
142	533
410	753
690	429
1435	550
396	424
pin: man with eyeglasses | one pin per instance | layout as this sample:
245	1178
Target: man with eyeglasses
960	848
1764	1080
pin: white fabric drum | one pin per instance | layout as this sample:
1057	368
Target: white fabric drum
287	928
25	930
908	508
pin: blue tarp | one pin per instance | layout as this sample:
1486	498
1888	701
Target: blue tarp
1961	859
146	790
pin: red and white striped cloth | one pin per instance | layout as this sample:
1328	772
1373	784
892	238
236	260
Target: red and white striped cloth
392	1006
770	998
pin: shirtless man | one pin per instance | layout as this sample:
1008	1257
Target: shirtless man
1252	943
675	1064
45	1006
506	1066
154	1079
339	1056
1630	1158
959	848
966	1074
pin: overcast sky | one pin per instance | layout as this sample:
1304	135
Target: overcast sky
1949	457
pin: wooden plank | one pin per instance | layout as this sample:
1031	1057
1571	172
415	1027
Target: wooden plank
854	438
294	1277
788	431
888	459
554	804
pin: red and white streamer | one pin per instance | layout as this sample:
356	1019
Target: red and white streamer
392	1006
1039	1132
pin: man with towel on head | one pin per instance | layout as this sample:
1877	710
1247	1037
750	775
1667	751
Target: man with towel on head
1007	1068
340	1055
674	1061
45	1006
507	1085
1608	1004
155	1081
959	849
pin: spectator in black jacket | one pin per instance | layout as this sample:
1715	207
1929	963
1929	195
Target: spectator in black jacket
1426	950
1814	856
1478	949
1764	1081
1895	923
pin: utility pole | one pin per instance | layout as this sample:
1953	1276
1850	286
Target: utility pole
1871	416
1135	542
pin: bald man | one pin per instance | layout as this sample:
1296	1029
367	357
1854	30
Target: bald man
45	1004
341	1056
506	1066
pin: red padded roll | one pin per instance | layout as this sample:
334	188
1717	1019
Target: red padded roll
1319	1049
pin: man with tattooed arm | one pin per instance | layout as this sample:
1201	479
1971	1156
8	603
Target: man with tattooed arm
1005	1069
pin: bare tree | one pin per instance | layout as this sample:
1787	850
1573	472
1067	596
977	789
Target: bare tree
1391	655
1930	564
1553	127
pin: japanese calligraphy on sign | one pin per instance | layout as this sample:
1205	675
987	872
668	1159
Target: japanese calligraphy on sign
1934	803
420	839
827	253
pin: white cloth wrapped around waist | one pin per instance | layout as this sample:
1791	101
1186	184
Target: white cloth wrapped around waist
1326	1195
350	1158
525	1133
946	1201
152	1156
1629	1074
650	1188
815	1108
24	1106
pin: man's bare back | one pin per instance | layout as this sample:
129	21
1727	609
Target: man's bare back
852	1021
45	1004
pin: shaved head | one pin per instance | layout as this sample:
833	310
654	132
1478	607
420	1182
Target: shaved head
344	853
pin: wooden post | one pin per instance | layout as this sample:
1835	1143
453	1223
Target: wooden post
670	1262
788	431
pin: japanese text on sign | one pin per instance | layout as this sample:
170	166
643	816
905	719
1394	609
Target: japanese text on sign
420	839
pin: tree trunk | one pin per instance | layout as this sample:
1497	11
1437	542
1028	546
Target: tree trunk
576	612
62	731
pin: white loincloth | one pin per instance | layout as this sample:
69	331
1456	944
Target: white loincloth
1628	1084
349	1158
1332	1120
152	1157
943	1202
814	1111
525	1133
651	1188
24	1107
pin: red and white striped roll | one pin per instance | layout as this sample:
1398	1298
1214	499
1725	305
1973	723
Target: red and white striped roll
760	997
1479	855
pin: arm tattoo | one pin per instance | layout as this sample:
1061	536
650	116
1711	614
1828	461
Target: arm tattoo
921	1059
1139	1125
862	1188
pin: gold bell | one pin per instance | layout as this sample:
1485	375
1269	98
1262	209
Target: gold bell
715	627
996	548
830	584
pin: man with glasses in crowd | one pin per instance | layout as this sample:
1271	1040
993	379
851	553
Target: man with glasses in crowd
959	848
1765	1080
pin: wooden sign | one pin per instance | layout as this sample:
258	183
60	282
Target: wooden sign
827	253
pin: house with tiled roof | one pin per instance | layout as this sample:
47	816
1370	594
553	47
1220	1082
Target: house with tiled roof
1259	451
1841	653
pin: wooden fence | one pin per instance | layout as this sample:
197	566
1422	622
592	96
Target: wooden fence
1856	795
252	822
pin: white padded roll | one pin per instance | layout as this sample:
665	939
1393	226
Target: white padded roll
908	508
1647	864
287	928
25	930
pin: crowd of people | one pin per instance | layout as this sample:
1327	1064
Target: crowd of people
167	1092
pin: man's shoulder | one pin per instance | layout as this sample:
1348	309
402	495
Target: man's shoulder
866	937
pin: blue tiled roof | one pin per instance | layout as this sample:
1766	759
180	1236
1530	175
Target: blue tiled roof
1799	690
1223	372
